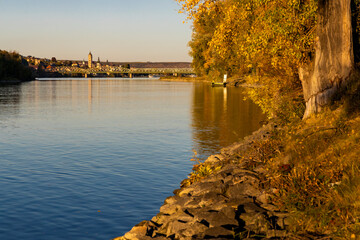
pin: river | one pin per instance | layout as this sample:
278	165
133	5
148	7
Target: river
89	158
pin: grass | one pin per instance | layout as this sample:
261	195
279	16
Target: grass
321	184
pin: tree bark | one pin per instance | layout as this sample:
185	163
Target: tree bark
334	55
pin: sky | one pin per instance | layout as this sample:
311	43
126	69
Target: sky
114	30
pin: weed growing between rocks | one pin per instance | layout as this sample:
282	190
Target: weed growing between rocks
200	170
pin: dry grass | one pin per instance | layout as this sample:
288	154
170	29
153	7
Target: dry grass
321	186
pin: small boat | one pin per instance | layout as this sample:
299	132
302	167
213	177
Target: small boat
215	84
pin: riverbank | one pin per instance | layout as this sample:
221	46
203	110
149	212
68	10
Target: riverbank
294	181
10	80
232	82
183	79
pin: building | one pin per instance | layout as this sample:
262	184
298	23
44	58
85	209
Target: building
98	64
90	60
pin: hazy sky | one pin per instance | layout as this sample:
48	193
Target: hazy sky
114	30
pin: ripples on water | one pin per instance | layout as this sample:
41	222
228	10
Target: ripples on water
88	159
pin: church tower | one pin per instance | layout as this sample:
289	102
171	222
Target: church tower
90	60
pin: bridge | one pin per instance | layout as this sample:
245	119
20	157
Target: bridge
122	72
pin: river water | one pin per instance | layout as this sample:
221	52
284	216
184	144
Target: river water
89	158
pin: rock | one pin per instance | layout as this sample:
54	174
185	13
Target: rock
140	237
138	231
236	147
255	222
252	207
175	227
241	189
216	219
240	200
120	238
287	221
227	170
160	218
214	178
193	230
215	159
219	232
276	233
241	175
212	198
281	219
185	218
264	199
171	200
229	212
169	208
201	188
270	207
176	204
193	203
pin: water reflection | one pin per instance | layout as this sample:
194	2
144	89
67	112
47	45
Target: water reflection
69	148
221	116
9	99
75	92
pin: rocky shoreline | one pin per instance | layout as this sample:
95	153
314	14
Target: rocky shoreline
233	203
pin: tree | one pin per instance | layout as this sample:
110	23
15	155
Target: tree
263	41
334	60
11	67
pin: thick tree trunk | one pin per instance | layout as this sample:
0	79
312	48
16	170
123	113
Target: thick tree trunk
334	57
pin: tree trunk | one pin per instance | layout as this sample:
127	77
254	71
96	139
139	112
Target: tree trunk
334	56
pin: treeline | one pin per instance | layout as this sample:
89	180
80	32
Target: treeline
13	67
264	42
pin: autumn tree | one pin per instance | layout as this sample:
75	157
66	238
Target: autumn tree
263	41
205	60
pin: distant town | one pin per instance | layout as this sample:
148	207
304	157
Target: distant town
79	68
